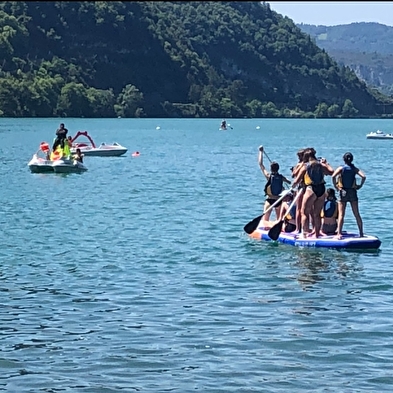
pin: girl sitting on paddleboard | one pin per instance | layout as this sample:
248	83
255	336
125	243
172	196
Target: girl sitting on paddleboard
329	213
289	217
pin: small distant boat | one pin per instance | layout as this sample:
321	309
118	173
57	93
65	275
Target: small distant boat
379	135
90	149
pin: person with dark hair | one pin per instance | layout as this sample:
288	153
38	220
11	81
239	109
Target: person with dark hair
78	156
61	135
329	213
344	181
288	215
312	174
274	185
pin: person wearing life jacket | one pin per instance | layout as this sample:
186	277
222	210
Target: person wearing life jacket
344	181
61	135
312	174
78	156
329	213
274	185
289	216
224	125
56	154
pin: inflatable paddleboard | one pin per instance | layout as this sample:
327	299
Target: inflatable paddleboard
348	241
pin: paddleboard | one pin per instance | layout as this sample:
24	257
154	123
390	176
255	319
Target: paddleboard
348	241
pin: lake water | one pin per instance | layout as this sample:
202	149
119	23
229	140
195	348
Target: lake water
136	276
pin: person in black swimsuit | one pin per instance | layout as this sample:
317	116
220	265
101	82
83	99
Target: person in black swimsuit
312	174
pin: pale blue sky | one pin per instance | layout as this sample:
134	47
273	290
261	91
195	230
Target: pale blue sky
332	13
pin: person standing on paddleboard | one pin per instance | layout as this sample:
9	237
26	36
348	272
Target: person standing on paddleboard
312	174
274	186
344	181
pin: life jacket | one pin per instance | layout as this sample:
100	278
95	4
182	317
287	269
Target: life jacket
274	185
347	177
330	209
56	154
66	150
44	146
291	214
314	174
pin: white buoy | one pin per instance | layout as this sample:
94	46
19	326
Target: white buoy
257	127
158	127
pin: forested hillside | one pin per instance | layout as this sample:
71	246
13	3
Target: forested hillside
169	59
367	48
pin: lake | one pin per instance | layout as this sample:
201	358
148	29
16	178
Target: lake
137	276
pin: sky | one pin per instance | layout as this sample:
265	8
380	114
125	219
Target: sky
333	13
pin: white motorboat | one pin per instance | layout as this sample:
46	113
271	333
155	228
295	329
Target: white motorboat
68	166
379	135
40	165
90	149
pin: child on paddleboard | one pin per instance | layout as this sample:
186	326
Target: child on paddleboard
329	213
274	185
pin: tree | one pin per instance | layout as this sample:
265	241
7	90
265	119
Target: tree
348	109
129	101
73	101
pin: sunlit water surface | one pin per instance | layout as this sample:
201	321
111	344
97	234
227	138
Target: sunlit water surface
136	275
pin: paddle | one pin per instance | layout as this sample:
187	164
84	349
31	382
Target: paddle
253	225
275	230
264	152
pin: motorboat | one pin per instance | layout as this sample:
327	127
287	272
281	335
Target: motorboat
65	165
379	135
40	165
89	148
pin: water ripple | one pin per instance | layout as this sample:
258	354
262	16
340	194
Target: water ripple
137	276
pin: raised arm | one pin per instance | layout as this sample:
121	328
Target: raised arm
327	169
260	162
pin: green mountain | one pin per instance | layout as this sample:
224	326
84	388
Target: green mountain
169	59
367	48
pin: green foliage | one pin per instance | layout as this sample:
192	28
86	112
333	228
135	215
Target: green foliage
169	59
367	48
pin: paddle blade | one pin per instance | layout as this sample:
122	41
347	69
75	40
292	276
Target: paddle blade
252	225
275	230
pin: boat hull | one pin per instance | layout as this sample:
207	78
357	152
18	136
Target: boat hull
379	137
39	165
41	168
102	152
349	240
61	166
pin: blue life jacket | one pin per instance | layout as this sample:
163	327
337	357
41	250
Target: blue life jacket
274	185
330	209
348	174
314	174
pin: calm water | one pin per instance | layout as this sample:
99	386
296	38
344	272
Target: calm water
136	276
